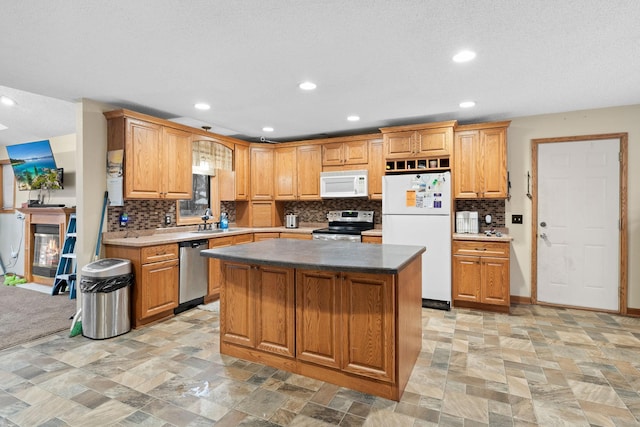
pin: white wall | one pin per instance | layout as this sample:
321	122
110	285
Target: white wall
92	167
589	122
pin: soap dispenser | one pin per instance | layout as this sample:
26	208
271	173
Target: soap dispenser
224	221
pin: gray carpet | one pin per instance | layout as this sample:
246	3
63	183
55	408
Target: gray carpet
26	315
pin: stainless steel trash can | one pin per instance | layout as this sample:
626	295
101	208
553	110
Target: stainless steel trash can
105	289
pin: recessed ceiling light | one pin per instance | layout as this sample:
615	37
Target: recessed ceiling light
267	129
467	104
202	106
307	86
464	56
7	101
3	127
353	118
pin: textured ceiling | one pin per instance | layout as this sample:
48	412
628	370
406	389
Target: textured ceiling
387	61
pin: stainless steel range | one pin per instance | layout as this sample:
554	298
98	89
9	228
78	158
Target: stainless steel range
345	226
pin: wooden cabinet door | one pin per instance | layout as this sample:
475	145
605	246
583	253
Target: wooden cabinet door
399	144
275	310
376	168
356	152
466	165
309	166
215	275
237	326
318	327
261	173
286	179
495	287
434	142
332	154
176	164
142	160
158	288
466	277
368	319
241	169
493	143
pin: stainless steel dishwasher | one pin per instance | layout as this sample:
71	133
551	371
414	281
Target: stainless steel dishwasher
194	274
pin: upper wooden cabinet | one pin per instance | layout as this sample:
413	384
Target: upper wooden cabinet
157	159
376	168
297	172
480	161
241	171
262	173
426	140
350	151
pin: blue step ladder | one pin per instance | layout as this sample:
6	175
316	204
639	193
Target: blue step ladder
66	271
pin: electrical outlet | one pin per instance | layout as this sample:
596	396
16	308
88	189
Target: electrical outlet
516	219
167	219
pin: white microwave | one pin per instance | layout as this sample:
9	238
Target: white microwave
340	184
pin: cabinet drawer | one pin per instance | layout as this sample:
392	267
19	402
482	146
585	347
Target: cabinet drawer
470	247
296	236
159	253
242	238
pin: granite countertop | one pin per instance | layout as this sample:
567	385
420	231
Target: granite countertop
321	255
482	237
141	238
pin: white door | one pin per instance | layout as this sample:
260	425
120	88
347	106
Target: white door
578	223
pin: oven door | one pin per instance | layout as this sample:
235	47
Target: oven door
337	237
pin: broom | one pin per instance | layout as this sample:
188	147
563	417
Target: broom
76	324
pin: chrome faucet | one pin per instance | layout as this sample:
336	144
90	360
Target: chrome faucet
207	215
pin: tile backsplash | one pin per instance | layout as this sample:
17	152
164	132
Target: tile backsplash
149	214
495	208
143	214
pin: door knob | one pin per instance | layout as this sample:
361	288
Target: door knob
544	236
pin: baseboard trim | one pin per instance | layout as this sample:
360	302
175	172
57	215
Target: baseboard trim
516	299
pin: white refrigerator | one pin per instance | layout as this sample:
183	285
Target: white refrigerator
416	210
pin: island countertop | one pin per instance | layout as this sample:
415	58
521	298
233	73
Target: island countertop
321	255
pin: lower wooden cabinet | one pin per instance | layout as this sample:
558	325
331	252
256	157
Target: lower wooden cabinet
259	306
158	288
481	274
213	289
372	239
368	305
317	317
156	276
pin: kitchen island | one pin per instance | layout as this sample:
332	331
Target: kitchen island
345	313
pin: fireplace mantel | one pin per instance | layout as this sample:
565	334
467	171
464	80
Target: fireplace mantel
33	216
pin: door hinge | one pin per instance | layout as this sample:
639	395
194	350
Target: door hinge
619	156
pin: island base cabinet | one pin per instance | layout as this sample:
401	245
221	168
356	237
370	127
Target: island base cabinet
368	318
318	320
237	326
259	307
275	310
344	328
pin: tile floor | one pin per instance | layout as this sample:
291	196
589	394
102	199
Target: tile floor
537	366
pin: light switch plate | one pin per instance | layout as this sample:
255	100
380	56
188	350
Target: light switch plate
516	219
